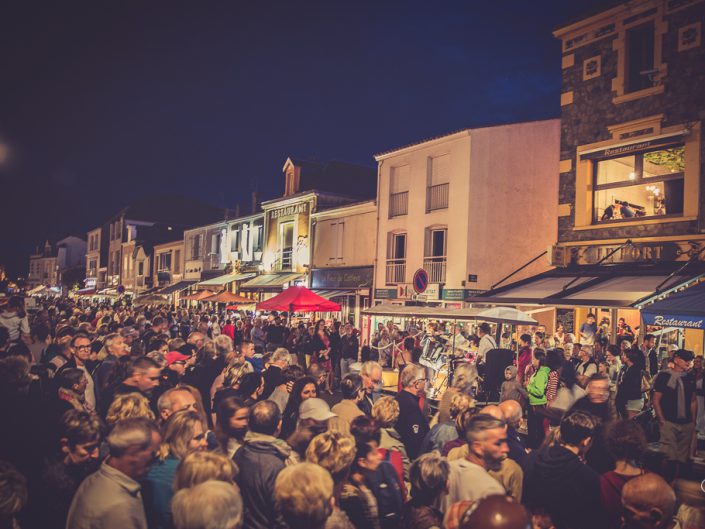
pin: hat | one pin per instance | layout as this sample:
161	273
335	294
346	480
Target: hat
512	369
315	409
684	354
175	356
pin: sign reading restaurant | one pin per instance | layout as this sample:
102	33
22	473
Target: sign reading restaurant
289	210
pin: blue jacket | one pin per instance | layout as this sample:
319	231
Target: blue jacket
157	492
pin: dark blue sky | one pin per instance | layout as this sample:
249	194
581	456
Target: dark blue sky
100	105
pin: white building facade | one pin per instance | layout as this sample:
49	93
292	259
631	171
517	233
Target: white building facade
468	209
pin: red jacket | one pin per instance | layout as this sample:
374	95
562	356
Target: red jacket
524	360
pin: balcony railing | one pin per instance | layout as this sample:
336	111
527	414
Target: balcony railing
396	271
437	197
436	268
284	261
398	204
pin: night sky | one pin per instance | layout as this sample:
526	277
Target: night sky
101	105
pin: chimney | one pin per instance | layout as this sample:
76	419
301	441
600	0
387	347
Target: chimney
254	202
237	210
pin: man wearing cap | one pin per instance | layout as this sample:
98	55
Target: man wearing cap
317	409
676	409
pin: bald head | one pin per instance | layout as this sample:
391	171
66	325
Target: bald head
493	411
651	498
511	410
497	512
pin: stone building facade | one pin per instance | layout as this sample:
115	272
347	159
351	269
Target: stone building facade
633	91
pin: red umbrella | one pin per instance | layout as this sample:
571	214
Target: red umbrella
299	299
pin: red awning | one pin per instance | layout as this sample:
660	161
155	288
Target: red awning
299	299
228	297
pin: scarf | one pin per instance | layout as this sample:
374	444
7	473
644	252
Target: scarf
280	445
675	381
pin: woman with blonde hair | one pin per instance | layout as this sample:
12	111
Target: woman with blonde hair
335	452
182	433
126	406
445	432
385	412
201	466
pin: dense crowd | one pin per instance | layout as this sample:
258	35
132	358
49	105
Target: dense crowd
121	417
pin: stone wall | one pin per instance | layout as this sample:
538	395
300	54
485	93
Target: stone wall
585	120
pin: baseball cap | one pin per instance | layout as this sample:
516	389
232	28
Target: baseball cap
175	356
317	409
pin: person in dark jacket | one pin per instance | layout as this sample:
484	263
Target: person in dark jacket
412	425
274	373
262	457
558	484
597	404
629	399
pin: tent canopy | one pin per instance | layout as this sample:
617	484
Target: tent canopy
299	299
685	309
198	296
506	315
496	314
228	297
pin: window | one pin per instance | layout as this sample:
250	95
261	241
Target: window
396	258
435	254
399	191
165	262
438	182
337	235
195	247
257	236
234	238
640	43
215	243
647	184
286	245
177	261
140	268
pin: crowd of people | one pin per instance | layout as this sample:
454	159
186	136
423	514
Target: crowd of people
121	417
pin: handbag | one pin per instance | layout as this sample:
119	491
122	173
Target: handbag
645	382
647	420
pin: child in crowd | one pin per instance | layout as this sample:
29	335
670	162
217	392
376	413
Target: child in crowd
511	387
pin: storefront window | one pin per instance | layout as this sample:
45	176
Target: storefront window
648	184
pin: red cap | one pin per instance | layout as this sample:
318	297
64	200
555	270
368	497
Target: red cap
175	356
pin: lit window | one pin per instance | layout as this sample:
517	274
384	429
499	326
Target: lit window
648	184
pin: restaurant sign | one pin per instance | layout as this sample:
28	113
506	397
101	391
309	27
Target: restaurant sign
353	278
668	320
631	253
631	148
289	210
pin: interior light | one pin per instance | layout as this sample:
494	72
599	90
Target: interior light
632	175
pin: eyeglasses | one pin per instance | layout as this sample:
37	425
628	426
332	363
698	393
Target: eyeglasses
82	347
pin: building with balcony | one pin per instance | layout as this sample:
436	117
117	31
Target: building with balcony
96	261
309	187
630	211
58	265
468	208
342	262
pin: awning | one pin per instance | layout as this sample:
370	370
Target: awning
684	309
37	290
86	292
330	294
176	287
273	281
420	311
225	279
622	285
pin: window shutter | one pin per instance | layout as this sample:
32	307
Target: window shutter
440	169
399	179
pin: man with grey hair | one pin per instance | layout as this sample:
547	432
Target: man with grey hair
412	425
469	479
371	373
176	399
110	498
114	347
208	505
273	375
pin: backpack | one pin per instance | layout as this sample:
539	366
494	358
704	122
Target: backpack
394	458
385	487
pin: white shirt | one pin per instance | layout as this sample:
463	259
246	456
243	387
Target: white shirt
487	343
14	324
468	481
90	387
